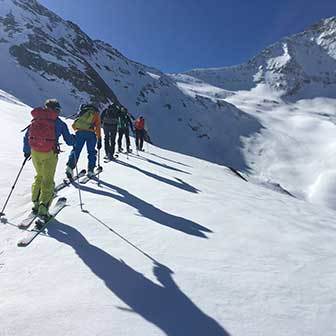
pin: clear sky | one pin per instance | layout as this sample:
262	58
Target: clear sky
179	35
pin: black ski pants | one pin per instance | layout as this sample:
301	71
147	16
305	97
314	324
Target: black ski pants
139	138
110	133
124	131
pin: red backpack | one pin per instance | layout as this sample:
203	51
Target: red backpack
42	130
140	124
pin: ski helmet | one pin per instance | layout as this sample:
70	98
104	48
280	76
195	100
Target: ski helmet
53	104
87	107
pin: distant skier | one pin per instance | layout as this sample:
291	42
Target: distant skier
109	119
87	127
41	142
140	132
123	128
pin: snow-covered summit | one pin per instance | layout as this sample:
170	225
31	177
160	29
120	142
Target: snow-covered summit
299	66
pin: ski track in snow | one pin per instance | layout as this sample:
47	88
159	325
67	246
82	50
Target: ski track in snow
170	245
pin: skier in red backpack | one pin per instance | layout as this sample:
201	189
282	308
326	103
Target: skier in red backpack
41	143
139	132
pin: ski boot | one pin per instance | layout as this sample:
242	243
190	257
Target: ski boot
43	213
90	173
69	172
35	207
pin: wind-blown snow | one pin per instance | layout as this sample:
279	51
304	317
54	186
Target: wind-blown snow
170	245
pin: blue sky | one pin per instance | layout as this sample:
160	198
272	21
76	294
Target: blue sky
179	35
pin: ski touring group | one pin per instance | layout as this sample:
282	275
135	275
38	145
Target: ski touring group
41	145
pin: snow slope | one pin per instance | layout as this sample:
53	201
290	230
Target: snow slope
170	245
294	147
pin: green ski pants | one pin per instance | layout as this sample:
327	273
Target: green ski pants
44	185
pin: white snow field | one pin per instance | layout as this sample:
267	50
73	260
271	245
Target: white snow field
169	245
296	144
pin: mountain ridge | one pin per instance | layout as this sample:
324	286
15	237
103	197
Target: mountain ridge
282	65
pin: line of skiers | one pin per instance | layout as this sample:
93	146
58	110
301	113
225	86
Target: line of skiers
41	142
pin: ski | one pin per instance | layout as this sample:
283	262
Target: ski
67	181
115	156
126	152
40	225
26	222
88	178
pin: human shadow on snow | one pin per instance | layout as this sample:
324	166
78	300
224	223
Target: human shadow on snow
164	304
184	186
163	165
169	160
149	211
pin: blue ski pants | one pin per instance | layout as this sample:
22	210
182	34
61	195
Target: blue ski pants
84	137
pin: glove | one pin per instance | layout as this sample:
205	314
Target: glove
26	155
99	144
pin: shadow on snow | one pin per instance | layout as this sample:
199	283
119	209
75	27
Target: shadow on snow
163	165
164	304
184	186
149	211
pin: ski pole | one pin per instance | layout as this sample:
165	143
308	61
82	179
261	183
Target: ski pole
99	167
12	189
146	139
127	147
147	145
79	188
136	143
99	159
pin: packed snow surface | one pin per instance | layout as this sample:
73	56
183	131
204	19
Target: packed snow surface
168	245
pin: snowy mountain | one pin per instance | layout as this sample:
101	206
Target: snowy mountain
299	66
169	245
295	146
44	56
248	117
